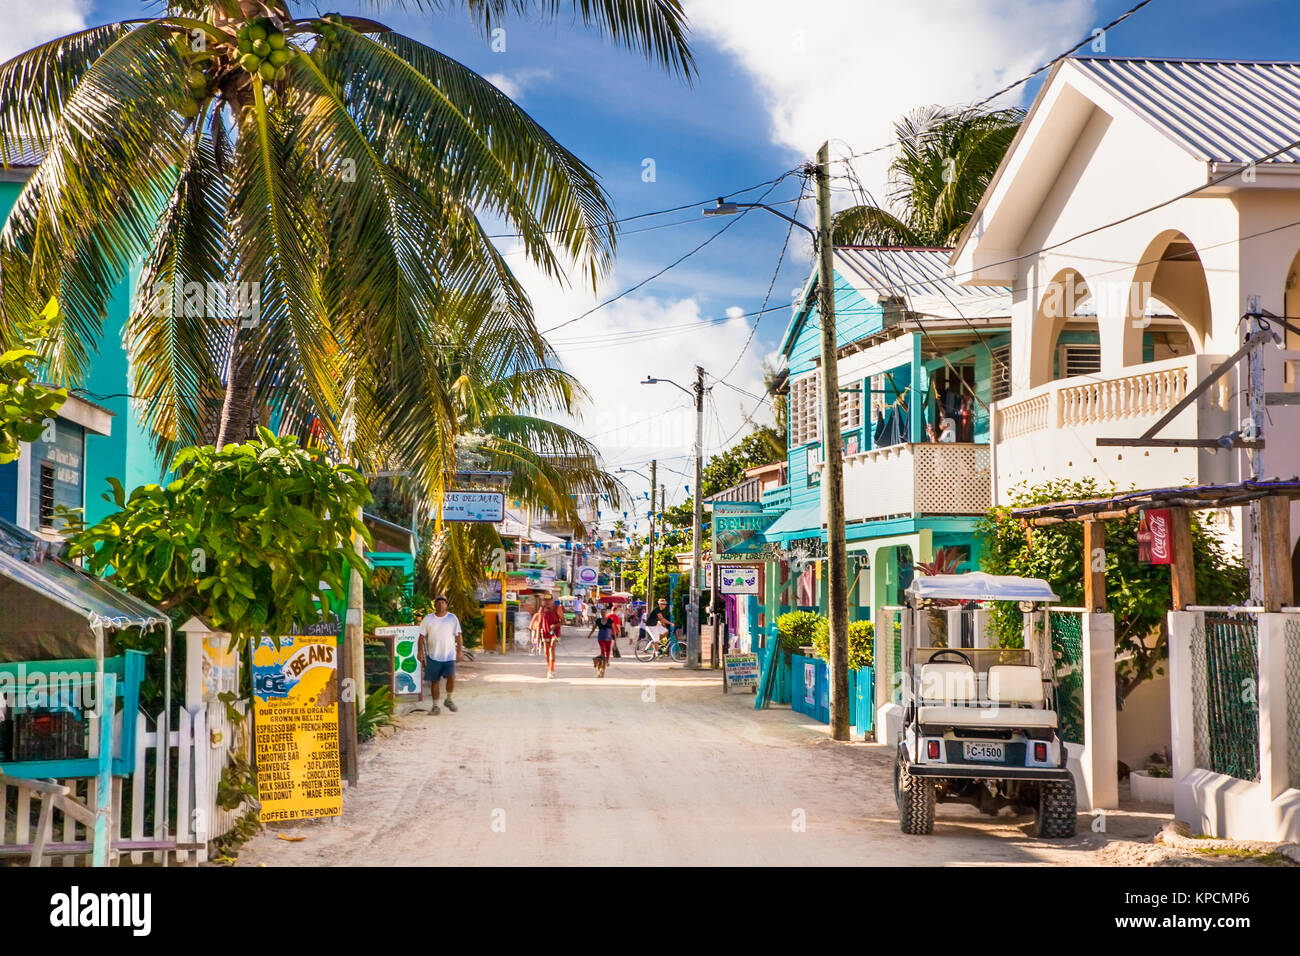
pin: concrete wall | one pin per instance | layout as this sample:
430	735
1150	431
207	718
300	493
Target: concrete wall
1143	723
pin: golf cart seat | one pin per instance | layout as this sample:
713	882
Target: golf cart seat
1015	684
947	682
1013	717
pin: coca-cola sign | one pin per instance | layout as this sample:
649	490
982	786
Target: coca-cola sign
1162	540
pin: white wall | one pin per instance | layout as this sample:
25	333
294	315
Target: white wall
1143	723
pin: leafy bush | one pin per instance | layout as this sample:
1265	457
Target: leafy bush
799	629
861	644
25	404
242	537
1137	594
378	713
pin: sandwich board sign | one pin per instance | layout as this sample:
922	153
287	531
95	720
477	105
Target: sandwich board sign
740	670
485	506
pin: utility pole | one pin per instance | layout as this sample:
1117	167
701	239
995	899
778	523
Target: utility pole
1255	397
832	484
650	566
693	611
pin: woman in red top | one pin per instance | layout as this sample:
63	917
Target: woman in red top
547	623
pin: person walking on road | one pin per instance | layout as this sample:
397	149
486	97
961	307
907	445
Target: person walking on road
547	624
603	626
440	647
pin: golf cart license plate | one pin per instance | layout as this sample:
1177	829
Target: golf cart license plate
984	752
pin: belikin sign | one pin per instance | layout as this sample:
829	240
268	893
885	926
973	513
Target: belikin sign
1155	537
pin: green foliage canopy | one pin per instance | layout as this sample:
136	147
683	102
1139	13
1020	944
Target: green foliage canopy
1138	595
242	538
24	402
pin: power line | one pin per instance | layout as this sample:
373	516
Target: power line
643	215
1011	86
671	265
803	185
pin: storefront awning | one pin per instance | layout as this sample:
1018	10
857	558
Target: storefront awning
801	522
51	608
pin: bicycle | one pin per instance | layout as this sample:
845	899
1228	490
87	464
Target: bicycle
648	649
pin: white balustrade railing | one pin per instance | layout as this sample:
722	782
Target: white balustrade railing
1031	415
1133	396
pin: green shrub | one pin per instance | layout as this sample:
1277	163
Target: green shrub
378	713
799	629
861	644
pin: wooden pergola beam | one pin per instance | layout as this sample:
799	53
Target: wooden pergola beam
1094	572
1182	571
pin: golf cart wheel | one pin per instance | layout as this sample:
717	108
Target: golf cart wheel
915	801
678	652
645	649
1057	809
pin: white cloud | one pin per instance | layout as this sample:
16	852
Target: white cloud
612	350
845	70
515	84
29	23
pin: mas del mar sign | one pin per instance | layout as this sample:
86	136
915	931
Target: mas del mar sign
474	506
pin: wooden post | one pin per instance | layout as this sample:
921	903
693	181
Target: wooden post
1275	540
1094	572
1182	572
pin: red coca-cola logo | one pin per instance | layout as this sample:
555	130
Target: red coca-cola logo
1158	524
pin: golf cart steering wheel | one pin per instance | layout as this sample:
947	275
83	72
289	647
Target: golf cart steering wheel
947	650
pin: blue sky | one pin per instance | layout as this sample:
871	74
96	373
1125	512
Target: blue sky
771	86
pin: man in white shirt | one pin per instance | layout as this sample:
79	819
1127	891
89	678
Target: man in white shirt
440	647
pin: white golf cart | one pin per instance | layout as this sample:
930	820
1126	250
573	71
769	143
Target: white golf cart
979	723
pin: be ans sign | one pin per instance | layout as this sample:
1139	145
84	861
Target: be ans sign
1155	537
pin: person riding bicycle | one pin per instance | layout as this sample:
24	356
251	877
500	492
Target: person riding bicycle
657	623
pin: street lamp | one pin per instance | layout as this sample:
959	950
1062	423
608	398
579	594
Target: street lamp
693	609
832	485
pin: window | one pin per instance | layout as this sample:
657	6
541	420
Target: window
1079	360
1001	373
850	409
45	517
804	421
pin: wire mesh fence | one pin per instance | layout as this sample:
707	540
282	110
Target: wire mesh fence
1067	653
1293	700
1225	694
889	651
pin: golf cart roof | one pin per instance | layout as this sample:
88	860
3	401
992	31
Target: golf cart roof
978	586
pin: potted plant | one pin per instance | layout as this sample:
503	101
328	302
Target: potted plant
1155	784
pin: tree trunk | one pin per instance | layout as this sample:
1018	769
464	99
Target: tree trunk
237	406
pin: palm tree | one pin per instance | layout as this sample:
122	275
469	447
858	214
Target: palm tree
327	172
945	160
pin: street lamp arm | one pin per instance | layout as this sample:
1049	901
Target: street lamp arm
723	208
650	380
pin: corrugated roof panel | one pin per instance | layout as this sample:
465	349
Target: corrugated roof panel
911	273
1228	111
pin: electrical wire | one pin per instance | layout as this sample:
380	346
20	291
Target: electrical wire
1011	86
789	232
671	265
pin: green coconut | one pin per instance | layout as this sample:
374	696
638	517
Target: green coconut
277	40
189	109
250	62
242	32
261	48
257	32
279	57
245	45
267	71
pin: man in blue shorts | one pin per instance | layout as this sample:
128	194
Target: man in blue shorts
440	647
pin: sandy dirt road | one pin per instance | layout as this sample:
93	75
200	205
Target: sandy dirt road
651	765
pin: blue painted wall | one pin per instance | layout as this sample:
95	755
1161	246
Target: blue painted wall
126	454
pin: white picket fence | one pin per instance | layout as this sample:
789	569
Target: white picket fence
199	747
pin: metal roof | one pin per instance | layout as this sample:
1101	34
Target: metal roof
919	276
1227	111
